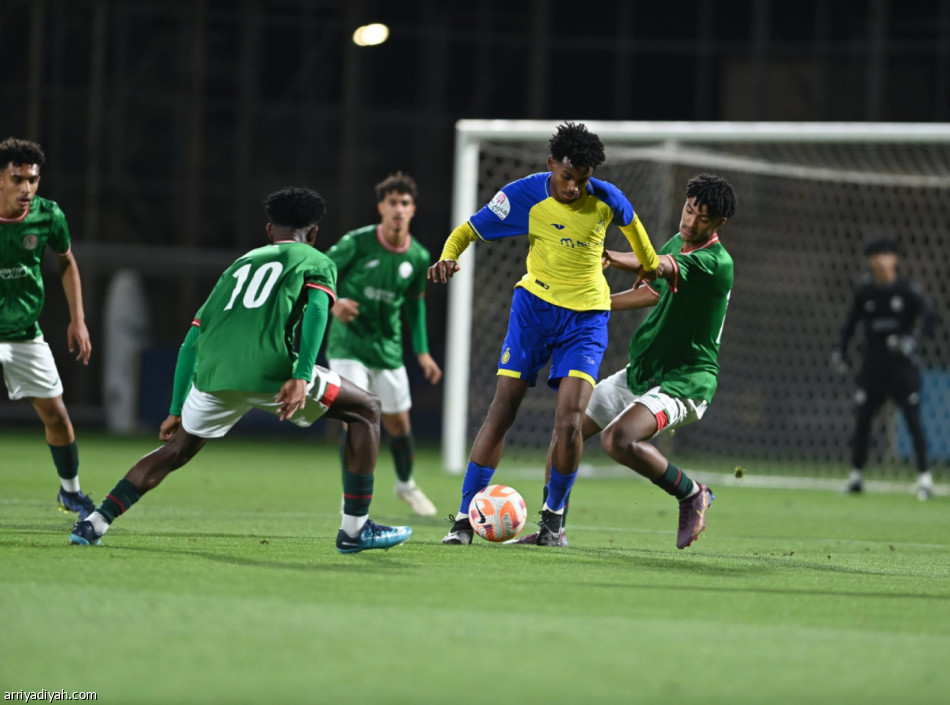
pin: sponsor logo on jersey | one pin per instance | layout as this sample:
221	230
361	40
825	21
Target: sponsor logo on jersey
371	293
30	241
372	263
567	242
14	272
500	205
558	226
897	304
541	284
405	270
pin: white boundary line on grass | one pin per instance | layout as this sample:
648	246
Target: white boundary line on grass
778	482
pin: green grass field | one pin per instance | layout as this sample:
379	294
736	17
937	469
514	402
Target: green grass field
223	586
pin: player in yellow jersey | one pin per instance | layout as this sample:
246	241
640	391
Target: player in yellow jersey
559	309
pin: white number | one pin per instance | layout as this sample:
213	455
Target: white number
260	287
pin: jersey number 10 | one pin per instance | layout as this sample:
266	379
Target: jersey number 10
258	288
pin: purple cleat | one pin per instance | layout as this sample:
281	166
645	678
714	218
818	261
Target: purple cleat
693	516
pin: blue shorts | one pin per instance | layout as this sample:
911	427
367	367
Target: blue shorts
573	341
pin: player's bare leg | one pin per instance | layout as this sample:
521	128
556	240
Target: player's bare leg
486	452
627	440
401	444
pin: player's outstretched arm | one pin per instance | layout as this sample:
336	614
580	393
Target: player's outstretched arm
430	369
171	424
77	335
457	242
346	309
442	271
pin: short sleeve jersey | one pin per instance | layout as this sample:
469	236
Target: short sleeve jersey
247	325
22	243
380	278
566	241
677	345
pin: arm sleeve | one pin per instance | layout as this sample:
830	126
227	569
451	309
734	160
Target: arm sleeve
458	240
312	328
637	236
184	371
850	324
416	314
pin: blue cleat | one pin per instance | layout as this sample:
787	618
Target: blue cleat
84	535
76	502
373	535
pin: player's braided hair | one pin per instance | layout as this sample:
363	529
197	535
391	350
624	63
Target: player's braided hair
295	207
714	192
398	182
581	148
17	151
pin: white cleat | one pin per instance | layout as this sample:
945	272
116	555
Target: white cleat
417	500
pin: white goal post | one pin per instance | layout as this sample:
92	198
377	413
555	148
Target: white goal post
667	142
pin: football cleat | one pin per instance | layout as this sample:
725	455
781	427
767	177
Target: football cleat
925	487
550	529
853	486
419	503
75	502
372	535
461	533
693	516
84	535
532	539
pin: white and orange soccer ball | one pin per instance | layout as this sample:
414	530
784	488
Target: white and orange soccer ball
497	513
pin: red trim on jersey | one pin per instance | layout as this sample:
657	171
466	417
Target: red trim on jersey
662	421
329	396
674	283
195	322
325	289
711	241
385	243
18	219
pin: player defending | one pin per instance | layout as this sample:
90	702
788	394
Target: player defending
559	308
896	314
239	354
28	223
674	354
382	272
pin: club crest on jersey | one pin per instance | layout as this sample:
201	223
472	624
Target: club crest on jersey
372	263
500	205
30	241
405	270
506	356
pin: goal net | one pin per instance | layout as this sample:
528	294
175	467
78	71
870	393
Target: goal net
809	195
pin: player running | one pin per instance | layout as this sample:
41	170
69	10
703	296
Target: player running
559	309
239	355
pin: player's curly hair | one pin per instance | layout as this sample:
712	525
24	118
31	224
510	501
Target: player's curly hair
17	151
714	192
582	148
295	207
398	182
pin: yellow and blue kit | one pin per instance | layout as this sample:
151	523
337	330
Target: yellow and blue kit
566	244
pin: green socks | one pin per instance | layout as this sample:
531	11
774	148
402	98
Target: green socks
357	493
675	482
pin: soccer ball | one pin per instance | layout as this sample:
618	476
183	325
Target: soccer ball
497	513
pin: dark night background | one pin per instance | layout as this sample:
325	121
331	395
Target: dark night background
166	122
